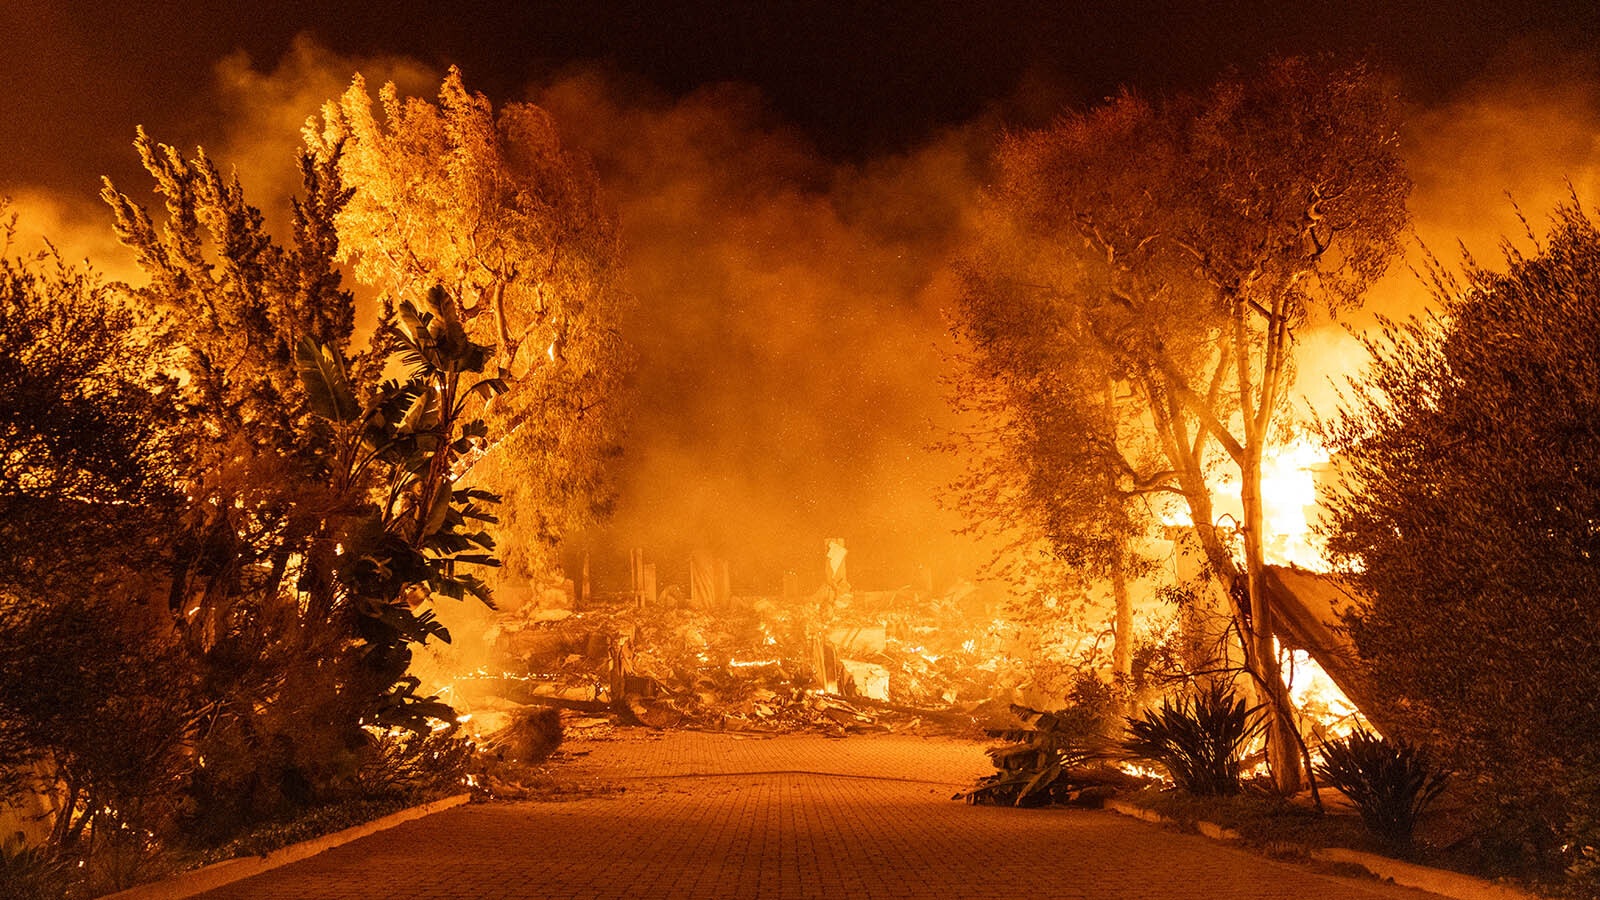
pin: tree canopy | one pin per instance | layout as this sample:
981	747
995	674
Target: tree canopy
493	209
1178	246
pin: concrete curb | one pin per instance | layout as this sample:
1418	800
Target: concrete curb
216	875
1436	881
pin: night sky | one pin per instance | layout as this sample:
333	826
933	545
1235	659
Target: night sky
791	178
859	78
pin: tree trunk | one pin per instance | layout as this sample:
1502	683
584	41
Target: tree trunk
1122	639
1283	751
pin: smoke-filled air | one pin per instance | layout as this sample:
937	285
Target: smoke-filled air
378	433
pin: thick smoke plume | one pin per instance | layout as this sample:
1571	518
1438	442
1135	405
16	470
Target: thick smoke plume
789	329
788	317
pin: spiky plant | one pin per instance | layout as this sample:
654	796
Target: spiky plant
1390	782
1201	741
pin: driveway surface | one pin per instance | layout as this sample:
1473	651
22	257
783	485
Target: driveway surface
717	817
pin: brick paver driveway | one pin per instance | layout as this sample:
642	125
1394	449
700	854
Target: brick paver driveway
712	816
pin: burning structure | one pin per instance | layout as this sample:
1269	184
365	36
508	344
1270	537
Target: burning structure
835	660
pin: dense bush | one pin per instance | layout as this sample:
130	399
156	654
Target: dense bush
1468	523
205	608
96	700
32	873
1201	741
1390	782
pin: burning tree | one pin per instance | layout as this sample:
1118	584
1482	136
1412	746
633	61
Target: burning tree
1055	453
1178	246
305	551
491	209
1467	518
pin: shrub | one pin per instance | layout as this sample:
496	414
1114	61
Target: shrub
32	873
1466	523
1390	782
103	706
1200	742
407	764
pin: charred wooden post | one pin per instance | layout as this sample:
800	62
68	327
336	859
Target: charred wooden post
703	581
647	588
621	651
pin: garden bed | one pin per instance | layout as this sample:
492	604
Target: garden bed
1294	829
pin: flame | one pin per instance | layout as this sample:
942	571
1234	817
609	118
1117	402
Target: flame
1317	698
1288	493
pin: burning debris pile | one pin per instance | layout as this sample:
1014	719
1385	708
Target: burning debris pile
834	662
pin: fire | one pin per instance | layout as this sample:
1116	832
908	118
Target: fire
1288	493
1318	699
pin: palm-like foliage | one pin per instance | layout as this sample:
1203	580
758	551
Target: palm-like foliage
1390	782
408	446
1201	741
1039	753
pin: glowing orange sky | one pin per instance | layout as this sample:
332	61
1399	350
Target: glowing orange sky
787	235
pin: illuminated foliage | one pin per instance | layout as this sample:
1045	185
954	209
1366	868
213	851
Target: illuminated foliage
406	450
1179	245
1054	453
84	460
298	580
489	207
1468	521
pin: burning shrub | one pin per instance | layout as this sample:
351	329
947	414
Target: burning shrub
402	763
1390	782
1201	741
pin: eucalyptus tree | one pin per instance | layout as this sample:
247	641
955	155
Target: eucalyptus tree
489	207
1184	242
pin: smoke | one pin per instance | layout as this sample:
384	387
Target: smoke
248	121
788	327
1514	139
789	308
262	113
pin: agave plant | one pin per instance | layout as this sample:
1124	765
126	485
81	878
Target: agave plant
1201	741
32	873
1390	782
